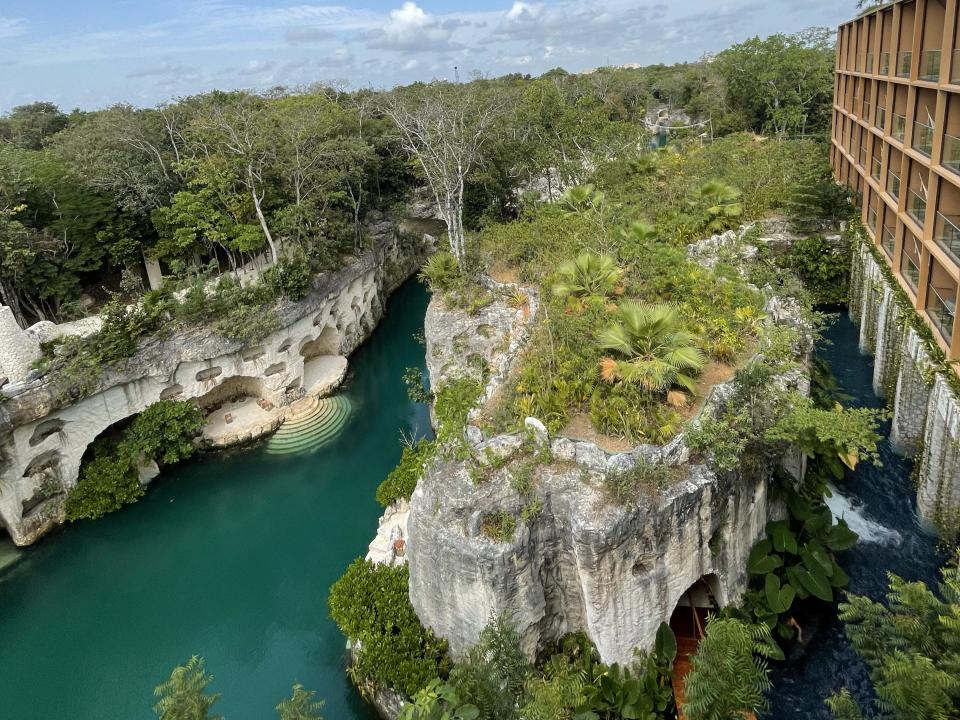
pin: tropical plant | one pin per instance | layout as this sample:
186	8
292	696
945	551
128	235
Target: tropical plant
729	677
659	351
371	606
300	705
721	203
441	271
438	701
588	275
494	672
796	560
184	695
911	645
583	198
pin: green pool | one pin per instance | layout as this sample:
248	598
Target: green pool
229	556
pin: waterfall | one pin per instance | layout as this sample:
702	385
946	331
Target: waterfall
912	395
869	530
938	495
881	358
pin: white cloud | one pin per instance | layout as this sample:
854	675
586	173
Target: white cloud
522	10
12	27
411	29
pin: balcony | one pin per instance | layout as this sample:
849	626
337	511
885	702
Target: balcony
893	184
868	66
888	239
946	233
942	309
875	166
884	63
910	271
867	111
881	116
916	206
951	153
929	65
904	59
872	220
923	138
899	129
862	157
855	106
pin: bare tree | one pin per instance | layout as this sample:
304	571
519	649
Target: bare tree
444	126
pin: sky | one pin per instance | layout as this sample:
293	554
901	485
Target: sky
94	53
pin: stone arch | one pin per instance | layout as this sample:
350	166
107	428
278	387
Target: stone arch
689	615
326	343
233	388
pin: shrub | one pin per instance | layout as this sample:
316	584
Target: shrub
107	483
402	480
441	272
370	605
165	431
624	488
290	277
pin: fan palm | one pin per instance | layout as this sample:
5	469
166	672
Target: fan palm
660	352
587	275
722	202
580	198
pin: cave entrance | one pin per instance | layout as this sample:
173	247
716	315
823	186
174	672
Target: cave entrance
688	622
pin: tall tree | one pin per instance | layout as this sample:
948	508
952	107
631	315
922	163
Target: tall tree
444	127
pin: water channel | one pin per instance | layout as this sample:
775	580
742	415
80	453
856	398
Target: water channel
229	556
879	504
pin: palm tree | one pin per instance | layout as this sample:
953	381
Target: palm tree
580	198
722	202
660	352
587	275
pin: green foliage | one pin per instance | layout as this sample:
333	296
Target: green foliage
911	644
300	705
402	480
494	672
441	272
438	701
106	484
650	479
796	560
660	352
586	276
823	266
369	604
164	432
291	276
184	695
729	675
413	379
498	526
721	203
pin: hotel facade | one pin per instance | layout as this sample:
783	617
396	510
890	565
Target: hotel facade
896	142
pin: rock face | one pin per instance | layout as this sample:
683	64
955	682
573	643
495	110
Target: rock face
42	439
576	562
581	564
926	411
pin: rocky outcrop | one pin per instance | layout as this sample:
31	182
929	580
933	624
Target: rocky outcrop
43	437
575	561
926	411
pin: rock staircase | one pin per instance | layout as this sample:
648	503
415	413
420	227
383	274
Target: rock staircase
310	424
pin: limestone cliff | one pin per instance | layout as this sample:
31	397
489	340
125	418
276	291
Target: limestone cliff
576	562
42	439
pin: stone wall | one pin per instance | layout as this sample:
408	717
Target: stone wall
926	412
43	439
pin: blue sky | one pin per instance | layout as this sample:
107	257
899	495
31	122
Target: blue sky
92	53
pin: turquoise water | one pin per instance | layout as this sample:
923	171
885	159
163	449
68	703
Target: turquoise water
228	556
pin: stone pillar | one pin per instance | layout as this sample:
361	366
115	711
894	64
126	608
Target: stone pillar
18	350
154	274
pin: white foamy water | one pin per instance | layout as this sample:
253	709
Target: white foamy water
868	530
